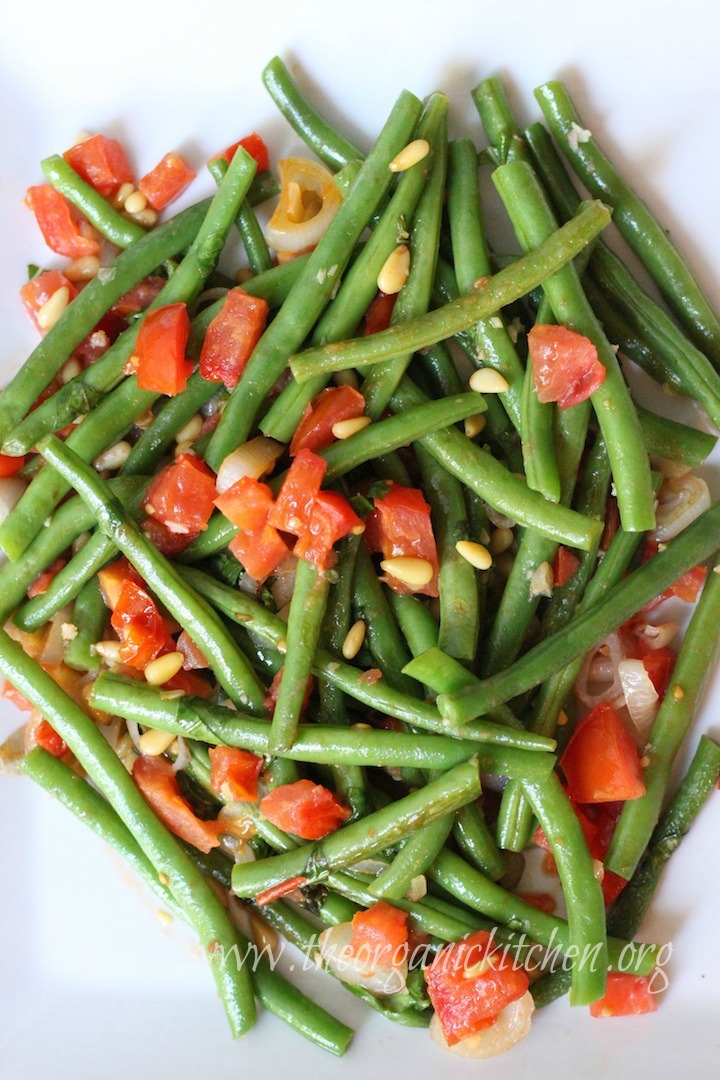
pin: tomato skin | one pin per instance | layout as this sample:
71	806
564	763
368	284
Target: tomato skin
564	566
686	588
59	228
9	466
235	772
291	512
36	292
182	496
659	664
190	683
601	762
565	365
232	336
254	146
274	689
139	625
331	405
305	809
246	504
43	582
160	789
140	297
101	162
160	350
170	544
48	738
166	181
278	891
377	316
466	1003
542	901
380	934
626	995
195	658
331	517
401	525
260	553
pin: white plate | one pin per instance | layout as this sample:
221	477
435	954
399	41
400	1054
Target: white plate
93	984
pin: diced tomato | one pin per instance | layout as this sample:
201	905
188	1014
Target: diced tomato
234	773
380	935
401	525
194	657
140	297
601	762
246	504
182	496
100	339
42	583
304	809
101	162
272	696
209	424
254	146
260	553
170	544
291	512
625	995
159	786
331	518
10	465
565	365
190	683
564	566
612	885
59	228
612	523
231	337
335	403
469	984
377	316
48	738
659	664
38	291
160	350
686	588
543	901
19	700
113	577
139	625
166	181
278	891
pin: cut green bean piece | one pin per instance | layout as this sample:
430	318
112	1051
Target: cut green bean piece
107	220
89	618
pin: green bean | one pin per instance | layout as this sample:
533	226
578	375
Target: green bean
329	145
477	843
646	237
71	519
534	222
192	611
312	291
502	289
363	838
417	853
84	391
496	117
383	637
416	621
83	314
696	543
89	617
666	438
107	220
247	225
698	652
307	609
537	426
507	493
202	909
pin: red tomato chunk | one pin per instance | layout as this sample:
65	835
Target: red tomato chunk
166	181
254	146
157	782
48	738
401	525
380	935
305	809
234	772
231	337
326	409
101	162
43	582
60	229
565	365
38	291
601	762
626	995
331	518
160	350
139	625
182	496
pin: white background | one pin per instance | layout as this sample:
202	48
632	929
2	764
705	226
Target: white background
92	985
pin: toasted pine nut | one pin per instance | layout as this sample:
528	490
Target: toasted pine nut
190	431
476	554
82	269
69	370
154	742
53	308
146	218
345	428
124	192
488	381
135	202
562	718
598	870
395	272
410	155
163	668
113	457
109	650
474	425
411	571
678	693
353	640
145	419
501	540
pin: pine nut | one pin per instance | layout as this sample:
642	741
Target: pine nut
70	370
124	192
395	272
109	650
154	742
476	554
135	202
410	155
53	308
182	448
411	571
83	269
474	425
678	693
353	640
501	540
163	668
488	381
542	582
146	218
345	428
191	430
113	457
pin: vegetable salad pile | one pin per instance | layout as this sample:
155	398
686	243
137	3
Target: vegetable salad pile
333	588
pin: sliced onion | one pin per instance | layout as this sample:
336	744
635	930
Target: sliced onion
182	759
417	889
283	583
380	980
669	468
254	459
133	730
500	521
512	1025
11	491
598	679
54	647
369	866
309	200
657	635
682	499
641	697
542	581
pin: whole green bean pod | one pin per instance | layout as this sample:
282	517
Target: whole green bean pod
247	224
